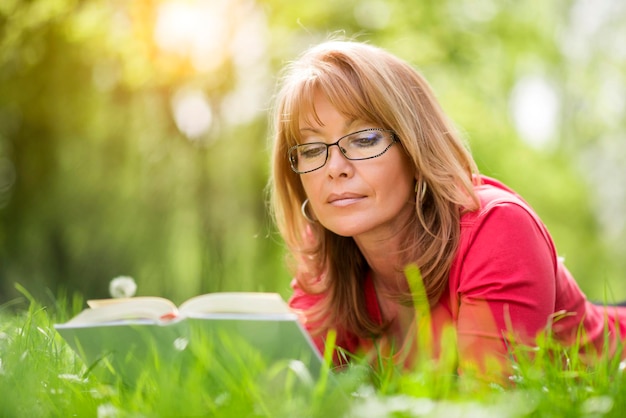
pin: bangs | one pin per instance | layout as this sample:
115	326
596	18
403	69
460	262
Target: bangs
342	89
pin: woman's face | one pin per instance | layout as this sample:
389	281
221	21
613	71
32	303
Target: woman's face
370	198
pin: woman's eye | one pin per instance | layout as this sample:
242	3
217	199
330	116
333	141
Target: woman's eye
312	151
367	139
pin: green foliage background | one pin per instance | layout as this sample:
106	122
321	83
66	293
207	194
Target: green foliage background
97	180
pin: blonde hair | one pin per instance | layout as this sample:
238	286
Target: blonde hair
367	83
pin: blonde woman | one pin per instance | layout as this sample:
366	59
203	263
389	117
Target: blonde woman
369	177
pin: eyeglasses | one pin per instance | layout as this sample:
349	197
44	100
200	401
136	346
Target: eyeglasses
360	145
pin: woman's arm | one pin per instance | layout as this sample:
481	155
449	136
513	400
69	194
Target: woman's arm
506	284
301	303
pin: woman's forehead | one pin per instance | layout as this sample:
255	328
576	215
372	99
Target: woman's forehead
309	117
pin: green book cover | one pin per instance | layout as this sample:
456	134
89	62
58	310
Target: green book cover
134	334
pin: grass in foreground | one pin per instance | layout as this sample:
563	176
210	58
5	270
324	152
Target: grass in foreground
40	376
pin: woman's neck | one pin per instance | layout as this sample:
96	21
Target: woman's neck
384	259
385	253
385	250
400	317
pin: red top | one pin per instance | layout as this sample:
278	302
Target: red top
506	271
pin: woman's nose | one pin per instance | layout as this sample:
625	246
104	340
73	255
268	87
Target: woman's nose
337	163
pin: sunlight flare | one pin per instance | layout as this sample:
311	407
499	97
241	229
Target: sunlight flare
198	30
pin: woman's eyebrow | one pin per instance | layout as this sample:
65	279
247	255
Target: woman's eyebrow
349	123
309	129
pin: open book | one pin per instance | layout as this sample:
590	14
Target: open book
126	332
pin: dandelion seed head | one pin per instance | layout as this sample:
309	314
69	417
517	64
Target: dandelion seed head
122	287
180	343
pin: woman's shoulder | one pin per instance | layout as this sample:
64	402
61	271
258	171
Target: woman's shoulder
502	211
491	191
492	194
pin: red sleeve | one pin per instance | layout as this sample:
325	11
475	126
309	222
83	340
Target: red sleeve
507	276
300	302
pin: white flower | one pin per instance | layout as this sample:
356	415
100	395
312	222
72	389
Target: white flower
122	287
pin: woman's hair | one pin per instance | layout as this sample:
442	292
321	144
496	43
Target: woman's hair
367	83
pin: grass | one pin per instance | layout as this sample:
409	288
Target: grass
41	377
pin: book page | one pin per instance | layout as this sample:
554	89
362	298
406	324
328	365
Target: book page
235	302
107	310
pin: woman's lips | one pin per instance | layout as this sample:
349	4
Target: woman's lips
344	199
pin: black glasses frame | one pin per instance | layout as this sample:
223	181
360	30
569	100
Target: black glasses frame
293	162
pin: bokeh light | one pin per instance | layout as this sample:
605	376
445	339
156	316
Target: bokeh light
192	112
198	30
535	107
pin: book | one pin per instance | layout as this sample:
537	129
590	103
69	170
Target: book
128	333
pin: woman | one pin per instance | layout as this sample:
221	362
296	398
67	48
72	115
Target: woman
369	177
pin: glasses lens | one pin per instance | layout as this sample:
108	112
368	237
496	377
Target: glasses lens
369	143
366	144
307	157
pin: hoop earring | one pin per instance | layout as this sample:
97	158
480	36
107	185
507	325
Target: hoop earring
421	188
303	210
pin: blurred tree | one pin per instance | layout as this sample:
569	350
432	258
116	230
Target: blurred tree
133	135
112	177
